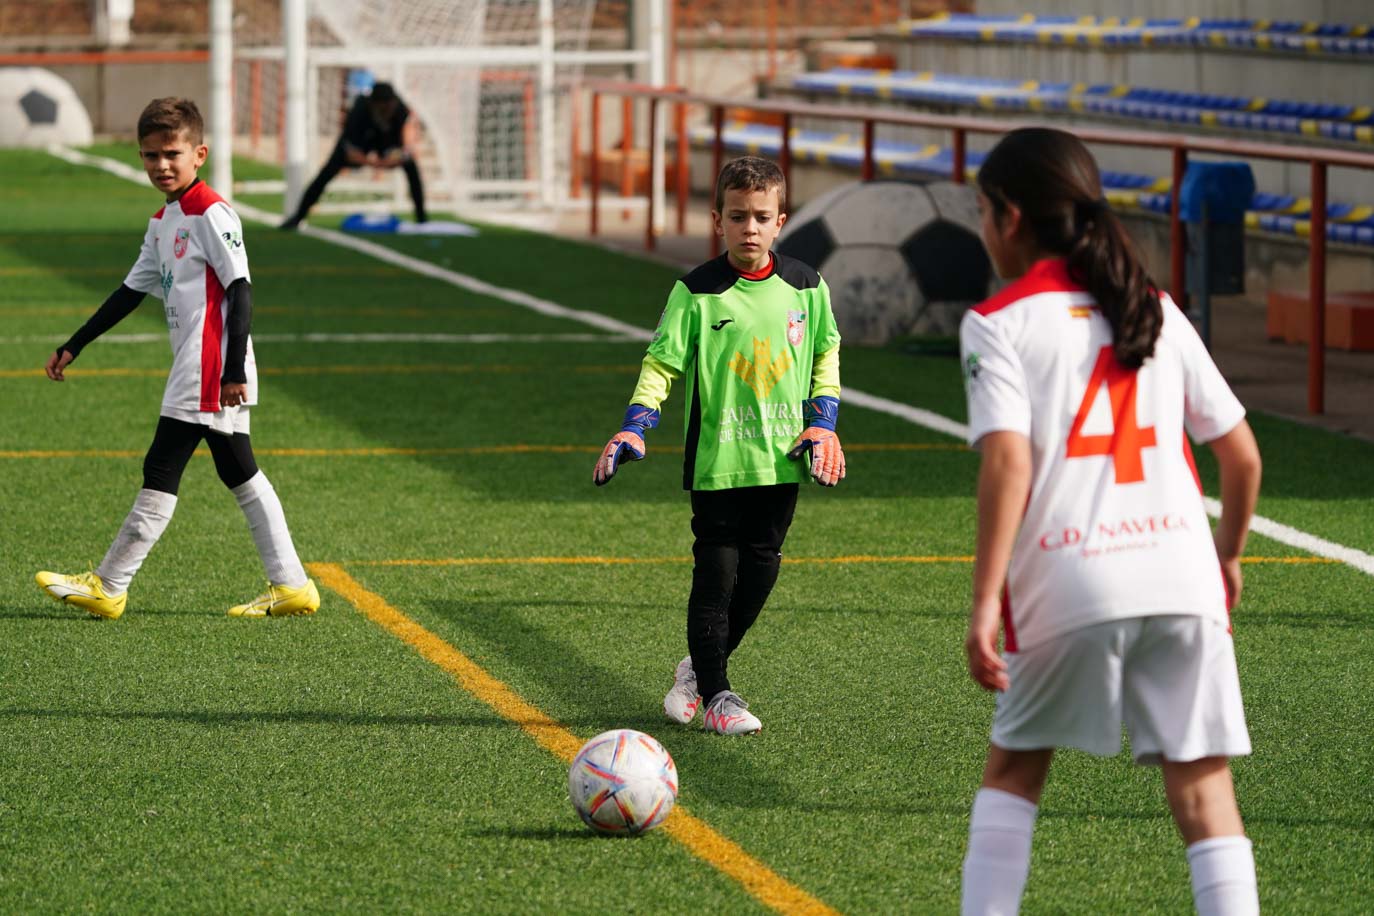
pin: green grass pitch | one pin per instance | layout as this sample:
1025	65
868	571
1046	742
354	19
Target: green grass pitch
178	760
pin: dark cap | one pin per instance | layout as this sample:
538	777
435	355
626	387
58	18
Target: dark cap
382	92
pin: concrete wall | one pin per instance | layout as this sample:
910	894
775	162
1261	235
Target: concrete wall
1344	11
115	94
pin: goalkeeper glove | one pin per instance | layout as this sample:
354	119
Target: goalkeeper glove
819	442
626	445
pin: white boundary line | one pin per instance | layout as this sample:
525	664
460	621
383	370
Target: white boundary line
933	421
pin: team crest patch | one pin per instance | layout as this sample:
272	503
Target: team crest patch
796	328
180	243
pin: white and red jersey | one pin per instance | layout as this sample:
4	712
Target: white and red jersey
1115	526
192	252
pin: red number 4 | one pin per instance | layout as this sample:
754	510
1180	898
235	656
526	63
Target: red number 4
1127	440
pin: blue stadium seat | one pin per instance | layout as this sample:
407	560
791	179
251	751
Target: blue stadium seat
1249	34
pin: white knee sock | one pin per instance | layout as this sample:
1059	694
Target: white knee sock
1223	869
142	527
998	860
267	522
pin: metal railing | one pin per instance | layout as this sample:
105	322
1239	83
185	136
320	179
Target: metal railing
1178	146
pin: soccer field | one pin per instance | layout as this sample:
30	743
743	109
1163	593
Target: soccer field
486	609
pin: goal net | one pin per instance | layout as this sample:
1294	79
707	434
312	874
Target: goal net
488	81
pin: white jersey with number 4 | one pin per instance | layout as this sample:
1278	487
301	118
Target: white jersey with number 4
192	252
1115	526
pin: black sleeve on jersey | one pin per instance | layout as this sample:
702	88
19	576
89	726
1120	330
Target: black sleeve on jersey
236	326
797	274
712	278
111	312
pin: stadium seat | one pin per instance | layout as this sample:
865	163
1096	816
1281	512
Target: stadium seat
1283	37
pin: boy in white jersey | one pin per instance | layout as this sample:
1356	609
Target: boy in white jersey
193	258
1094	552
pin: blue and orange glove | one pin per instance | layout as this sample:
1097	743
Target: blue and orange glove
819	442
626	445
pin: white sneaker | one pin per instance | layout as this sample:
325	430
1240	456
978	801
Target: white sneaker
682	701
727	714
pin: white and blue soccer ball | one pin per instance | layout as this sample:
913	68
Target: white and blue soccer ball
623	782
38	108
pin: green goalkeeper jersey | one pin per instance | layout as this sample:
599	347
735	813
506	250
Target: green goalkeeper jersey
746	348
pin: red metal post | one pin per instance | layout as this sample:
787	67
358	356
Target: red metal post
869	170
575	165
1316	294
653	160
785	151
1178	239
595	163
627	126
960	155
717	162
683	179
255	96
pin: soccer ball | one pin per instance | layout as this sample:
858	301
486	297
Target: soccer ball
38	108
623	782
900	257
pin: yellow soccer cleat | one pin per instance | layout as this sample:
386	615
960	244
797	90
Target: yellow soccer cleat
281	601
85	591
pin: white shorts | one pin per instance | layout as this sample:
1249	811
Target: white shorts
1172	679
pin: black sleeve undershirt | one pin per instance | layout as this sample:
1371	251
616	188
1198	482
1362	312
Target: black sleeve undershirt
236	328
112	311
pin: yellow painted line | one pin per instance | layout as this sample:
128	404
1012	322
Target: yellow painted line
294	270
703	841
650	560
1324	561
431	369
388	451
845	560
378	452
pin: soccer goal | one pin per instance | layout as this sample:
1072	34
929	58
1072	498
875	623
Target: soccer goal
488	80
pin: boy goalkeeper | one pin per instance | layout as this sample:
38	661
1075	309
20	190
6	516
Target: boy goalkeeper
754	336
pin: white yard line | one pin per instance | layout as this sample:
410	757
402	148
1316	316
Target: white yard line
924	418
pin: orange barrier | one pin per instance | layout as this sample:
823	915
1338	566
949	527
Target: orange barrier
1349	318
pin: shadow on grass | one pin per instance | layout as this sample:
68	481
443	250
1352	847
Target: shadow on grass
601	696
557	834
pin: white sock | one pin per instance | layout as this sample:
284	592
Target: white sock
142	527
267	522
1223	869
998	860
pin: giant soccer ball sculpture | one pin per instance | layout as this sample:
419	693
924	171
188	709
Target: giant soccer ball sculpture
899	257
623	782
39	108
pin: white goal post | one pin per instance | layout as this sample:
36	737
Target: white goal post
488	80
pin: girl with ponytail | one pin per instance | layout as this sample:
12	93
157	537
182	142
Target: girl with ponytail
1095	559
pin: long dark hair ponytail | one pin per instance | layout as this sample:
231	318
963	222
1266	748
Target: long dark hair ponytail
1050	176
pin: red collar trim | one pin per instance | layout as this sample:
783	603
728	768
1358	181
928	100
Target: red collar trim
763	274
1050	275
